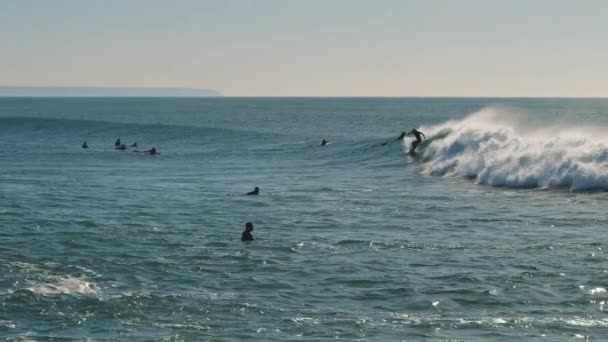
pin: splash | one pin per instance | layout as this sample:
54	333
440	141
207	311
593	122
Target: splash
500	148
65	285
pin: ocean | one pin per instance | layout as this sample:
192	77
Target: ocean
494	229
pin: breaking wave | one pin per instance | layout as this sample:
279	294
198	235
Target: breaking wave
500	148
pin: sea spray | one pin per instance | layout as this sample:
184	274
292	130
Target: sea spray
500	148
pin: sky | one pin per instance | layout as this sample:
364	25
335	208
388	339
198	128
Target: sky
544	48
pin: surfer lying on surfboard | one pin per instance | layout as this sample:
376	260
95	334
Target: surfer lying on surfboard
256	191
152	151
418	140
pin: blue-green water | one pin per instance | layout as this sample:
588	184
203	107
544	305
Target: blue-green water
495	231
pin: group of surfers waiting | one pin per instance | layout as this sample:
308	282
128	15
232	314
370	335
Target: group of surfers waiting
247	236
247	233
416	133
123	147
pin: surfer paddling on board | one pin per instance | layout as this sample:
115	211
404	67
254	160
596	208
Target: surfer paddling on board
418	136
152	151
256	191
324	142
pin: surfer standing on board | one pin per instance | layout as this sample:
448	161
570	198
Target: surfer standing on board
418	136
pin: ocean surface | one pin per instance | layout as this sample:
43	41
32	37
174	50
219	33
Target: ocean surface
495	229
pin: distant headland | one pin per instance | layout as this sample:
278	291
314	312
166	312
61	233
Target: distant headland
9	91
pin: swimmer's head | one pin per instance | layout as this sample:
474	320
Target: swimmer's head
249	226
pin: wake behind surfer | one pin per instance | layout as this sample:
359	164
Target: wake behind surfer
400	137
416	133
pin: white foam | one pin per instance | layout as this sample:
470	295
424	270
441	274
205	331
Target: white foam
7	324
496	147
65	285
598	291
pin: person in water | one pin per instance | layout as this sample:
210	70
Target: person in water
117	143
256	191
134	144
247	236
152	151
324	142
84	144
122	147
401	136
418	136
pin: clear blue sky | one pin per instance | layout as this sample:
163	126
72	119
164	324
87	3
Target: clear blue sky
311	47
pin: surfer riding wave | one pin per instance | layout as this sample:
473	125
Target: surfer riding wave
505	148
416	133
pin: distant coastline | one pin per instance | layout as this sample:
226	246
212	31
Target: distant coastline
10	91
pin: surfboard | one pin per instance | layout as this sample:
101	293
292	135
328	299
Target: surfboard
426	142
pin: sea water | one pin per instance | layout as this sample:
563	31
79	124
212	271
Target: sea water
494	229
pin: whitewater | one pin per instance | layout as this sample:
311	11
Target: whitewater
495	229
498	148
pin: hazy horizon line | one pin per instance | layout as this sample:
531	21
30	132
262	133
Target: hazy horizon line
104	91
212	92
309	97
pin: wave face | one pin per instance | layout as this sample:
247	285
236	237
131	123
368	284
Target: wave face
499	148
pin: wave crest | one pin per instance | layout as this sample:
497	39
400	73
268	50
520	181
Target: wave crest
497	148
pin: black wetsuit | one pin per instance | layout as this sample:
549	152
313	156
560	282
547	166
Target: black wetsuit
247	236
418	136
256	191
